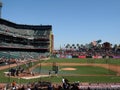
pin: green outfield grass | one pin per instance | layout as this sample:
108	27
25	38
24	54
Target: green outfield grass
80	70
76	60
90	79
87	70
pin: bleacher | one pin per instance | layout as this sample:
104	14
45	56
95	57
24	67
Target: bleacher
23	38
16	32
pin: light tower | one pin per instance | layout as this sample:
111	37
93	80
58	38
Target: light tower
0	8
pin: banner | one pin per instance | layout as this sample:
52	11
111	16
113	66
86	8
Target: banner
116	57
81	56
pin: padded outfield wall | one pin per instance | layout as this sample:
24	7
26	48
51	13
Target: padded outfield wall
95	57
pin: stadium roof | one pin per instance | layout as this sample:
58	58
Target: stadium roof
24	26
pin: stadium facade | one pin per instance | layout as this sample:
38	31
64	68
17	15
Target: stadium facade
25	38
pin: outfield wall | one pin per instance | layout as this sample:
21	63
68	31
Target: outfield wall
83	56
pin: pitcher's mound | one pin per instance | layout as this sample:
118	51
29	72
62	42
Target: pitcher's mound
68	68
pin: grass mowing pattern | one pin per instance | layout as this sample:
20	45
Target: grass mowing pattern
87	70
91	79
77	60
53	79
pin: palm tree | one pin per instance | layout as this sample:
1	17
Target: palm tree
73	45
67	46
81	45
70	47
77	46
115	47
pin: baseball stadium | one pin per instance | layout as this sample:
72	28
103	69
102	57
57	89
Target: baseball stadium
28	61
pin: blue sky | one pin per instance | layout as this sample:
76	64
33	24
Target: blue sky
73	21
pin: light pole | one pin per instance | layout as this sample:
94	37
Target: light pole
0	8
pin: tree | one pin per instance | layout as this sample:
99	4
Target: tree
67	46
73	45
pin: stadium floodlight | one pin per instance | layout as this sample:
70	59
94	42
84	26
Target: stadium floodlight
0	8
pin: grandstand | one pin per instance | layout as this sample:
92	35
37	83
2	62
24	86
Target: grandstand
25	40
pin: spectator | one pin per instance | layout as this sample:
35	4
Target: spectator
14	85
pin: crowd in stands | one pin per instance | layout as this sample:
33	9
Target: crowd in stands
101	50
23	31
17	57
65	85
